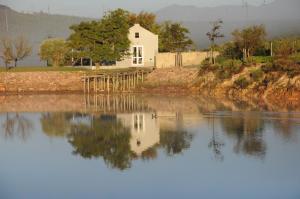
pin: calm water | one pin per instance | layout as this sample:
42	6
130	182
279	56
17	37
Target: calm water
146	147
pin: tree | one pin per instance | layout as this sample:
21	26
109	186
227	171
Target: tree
6	54
54	51
22	49
212	36
249	39
14	50
146	19
103	41
283	48
173	37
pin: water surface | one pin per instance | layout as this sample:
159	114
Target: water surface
143	146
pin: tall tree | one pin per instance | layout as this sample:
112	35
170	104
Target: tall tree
249	39
146	19
105	40
174	38
212	36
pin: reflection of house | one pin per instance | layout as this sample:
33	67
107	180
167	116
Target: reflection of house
143	48
144	130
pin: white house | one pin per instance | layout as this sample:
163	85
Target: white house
143	48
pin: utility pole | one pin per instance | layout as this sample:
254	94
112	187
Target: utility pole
6	20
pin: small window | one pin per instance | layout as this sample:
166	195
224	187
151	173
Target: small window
137	35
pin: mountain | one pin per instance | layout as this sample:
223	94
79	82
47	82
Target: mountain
281	18
35	27
277	10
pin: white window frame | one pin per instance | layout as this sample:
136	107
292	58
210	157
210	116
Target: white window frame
132	57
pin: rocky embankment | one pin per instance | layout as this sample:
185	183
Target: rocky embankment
274	86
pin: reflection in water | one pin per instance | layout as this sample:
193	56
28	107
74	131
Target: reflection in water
16	124
102	136
117	138
247	129
215	143
121	129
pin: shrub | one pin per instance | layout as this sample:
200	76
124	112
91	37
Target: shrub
256	74
262	59
242	82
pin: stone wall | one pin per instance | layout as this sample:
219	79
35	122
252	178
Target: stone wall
41	81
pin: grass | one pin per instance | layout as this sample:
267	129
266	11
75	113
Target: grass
64	69
40	69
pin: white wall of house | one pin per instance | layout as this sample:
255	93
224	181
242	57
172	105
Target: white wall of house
143	48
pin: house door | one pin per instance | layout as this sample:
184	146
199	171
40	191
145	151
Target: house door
138	55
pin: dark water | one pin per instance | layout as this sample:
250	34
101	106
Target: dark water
153	147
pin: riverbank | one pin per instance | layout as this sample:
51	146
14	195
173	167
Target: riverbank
250	83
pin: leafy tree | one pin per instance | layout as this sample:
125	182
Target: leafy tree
102	41
212	36
146	19
174	37
231	50
283	48
14	50
249	39
54	51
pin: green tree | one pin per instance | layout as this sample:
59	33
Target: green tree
174	37
146	19
103	41
249	39
54	51
212	36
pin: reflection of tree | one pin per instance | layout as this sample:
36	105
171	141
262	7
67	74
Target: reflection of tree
215	144
175	141
285	127
248	132
150	154
55	124
17	125
108	139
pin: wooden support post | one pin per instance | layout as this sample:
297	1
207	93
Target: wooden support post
88	84
84	83
107	84
95	89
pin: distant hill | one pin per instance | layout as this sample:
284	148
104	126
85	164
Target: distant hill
281	18
36	27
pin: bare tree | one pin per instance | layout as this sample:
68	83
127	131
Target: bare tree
22	49
213	35
6	51
14	50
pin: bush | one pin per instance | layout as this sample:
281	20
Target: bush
262	59
242	82
256	74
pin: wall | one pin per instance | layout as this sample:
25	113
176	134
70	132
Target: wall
41	81
167	60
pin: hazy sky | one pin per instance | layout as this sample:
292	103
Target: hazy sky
94	8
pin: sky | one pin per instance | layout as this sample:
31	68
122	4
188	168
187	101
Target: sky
95	8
